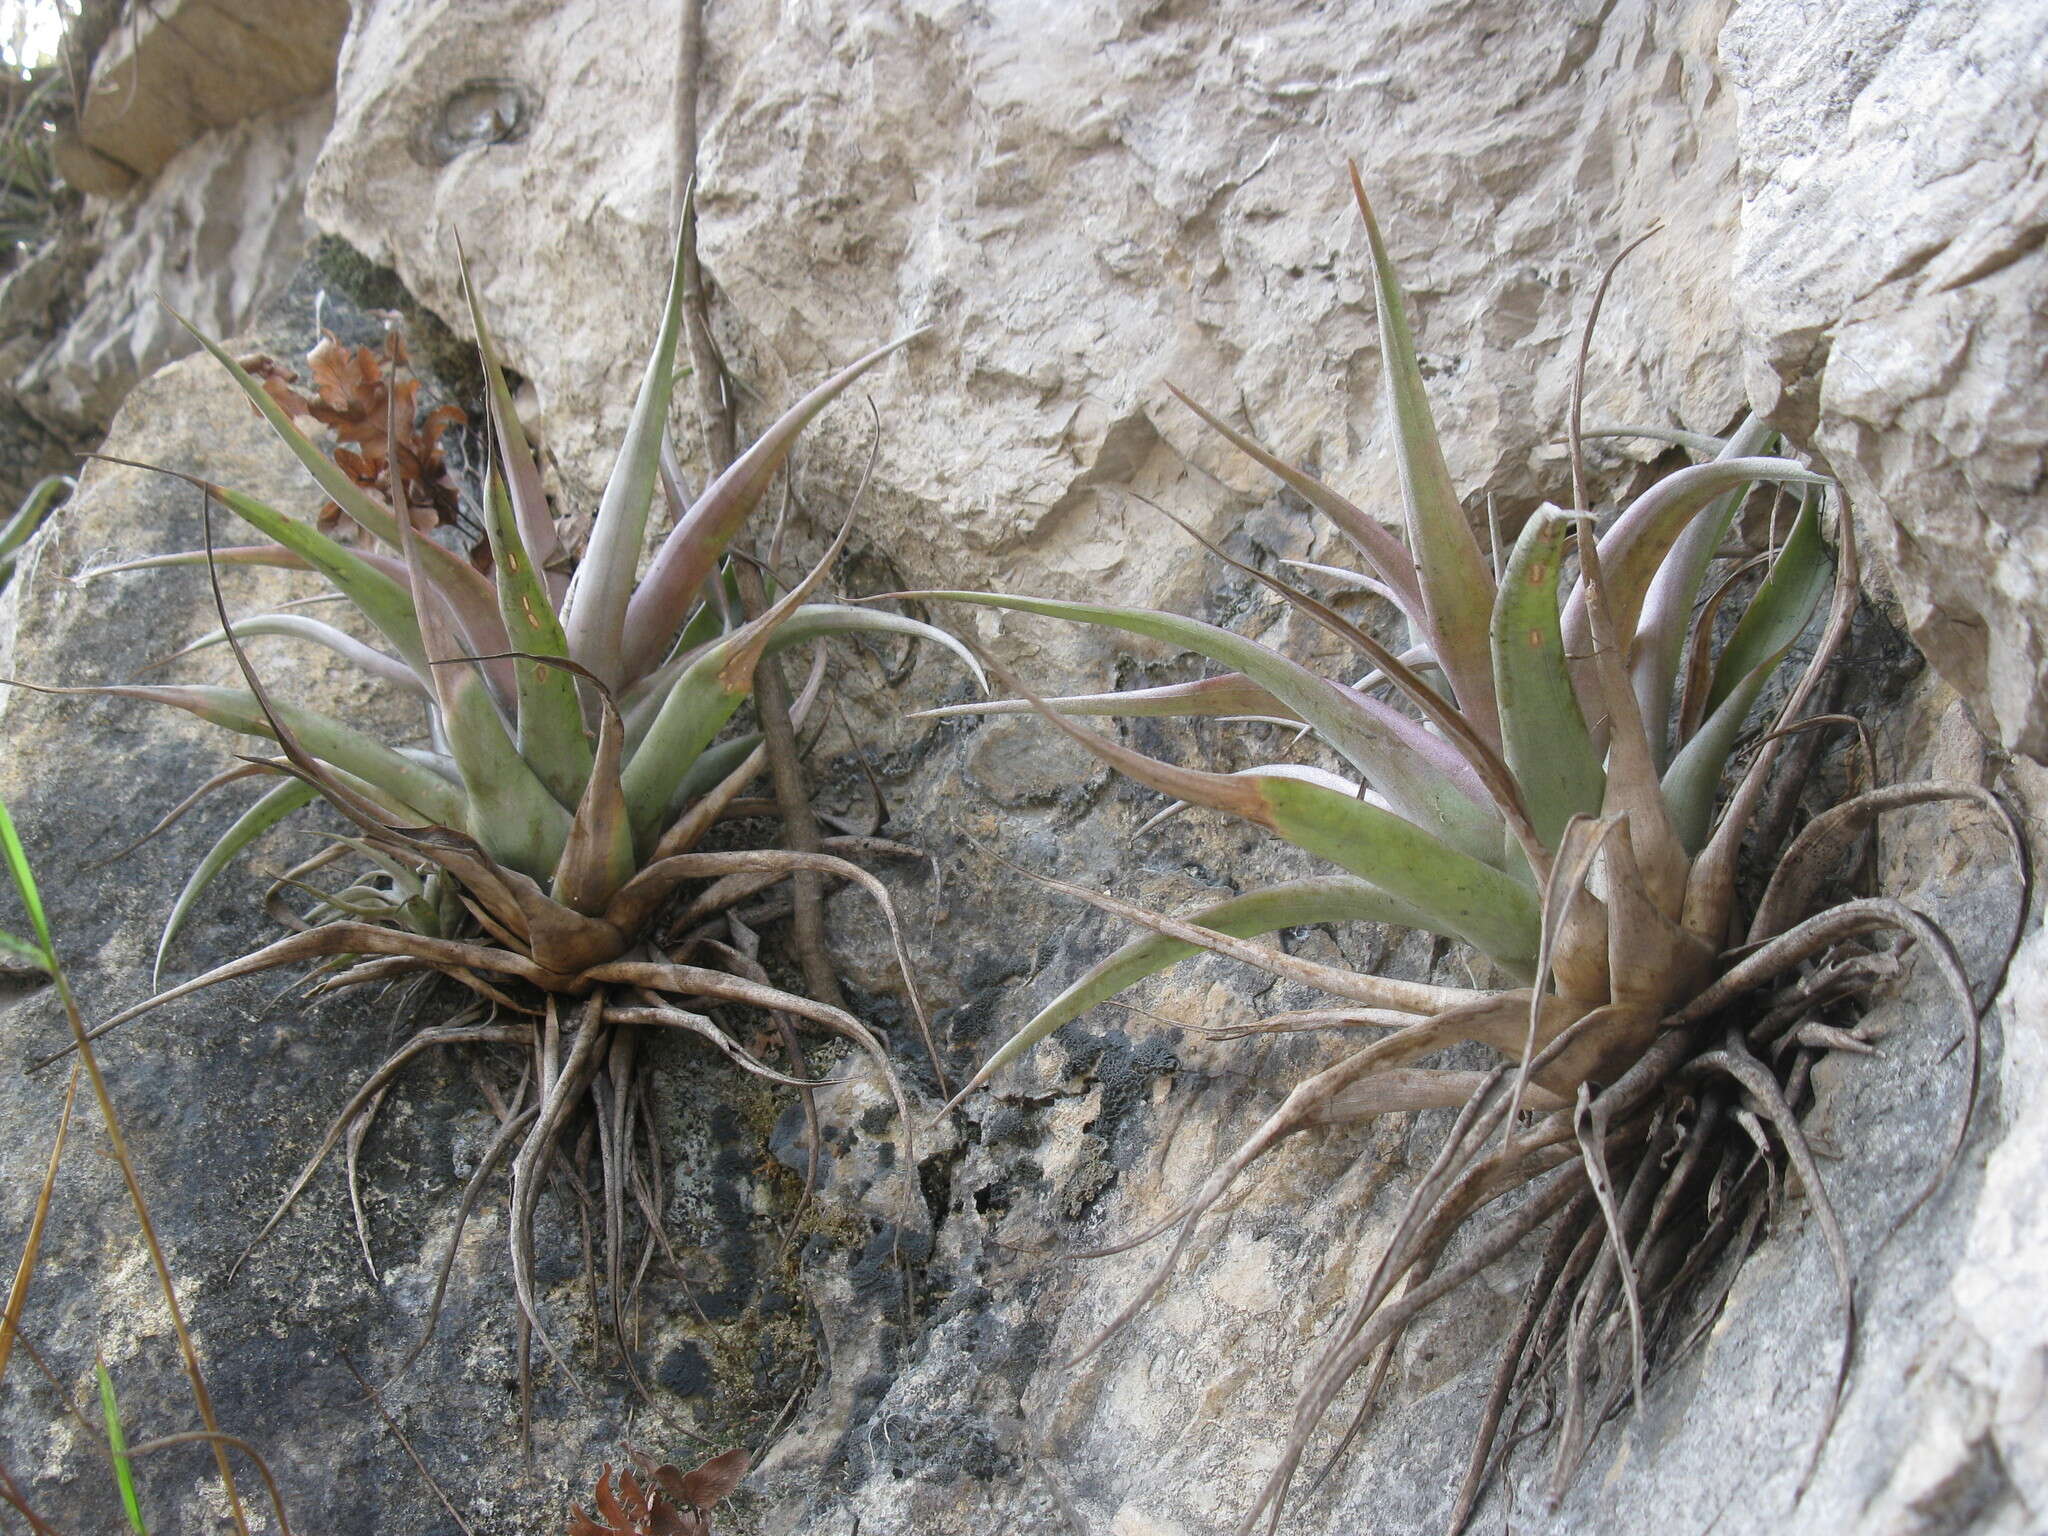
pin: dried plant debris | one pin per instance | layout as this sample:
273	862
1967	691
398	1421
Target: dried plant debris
543	848
663	1501
366	413
1538	767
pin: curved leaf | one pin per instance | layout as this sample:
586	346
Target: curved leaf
552	736
1543	732
1230	693
297	626
1422	775
690	553
274	806
1295	904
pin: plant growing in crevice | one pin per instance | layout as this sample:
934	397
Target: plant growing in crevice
541	848
1545	784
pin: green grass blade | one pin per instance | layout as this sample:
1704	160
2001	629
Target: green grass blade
1295	904
1543	731
552	736
117	1443
47	495
274	806
690	553
595	612
1455	575
25	887
1422	776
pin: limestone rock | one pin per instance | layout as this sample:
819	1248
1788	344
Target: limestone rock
174	71
1079	215
1893	278
216	235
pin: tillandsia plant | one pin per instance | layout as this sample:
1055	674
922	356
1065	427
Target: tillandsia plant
1544	783
542	847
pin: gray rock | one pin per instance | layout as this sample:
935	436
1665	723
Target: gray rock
1891	270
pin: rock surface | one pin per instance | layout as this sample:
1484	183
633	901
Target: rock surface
1894	205
214	111
1082	202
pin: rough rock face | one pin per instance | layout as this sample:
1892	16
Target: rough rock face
1081	202
1893	211
218	233
172	72
202	120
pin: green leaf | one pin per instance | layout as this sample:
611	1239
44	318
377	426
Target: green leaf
594	614
273	807
552	735
1295	904
1779	615
529	498
1455	894
124	1473
1422	776
509	811
410	783
1784	605
1456	578
1543	732
25	887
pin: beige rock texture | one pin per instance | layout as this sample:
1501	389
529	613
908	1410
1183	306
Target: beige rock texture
1894	204
1082	201
170	72
203	118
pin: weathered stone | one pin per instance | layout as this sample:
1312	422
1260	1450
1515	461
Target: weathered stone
215	236
174	71
1892	279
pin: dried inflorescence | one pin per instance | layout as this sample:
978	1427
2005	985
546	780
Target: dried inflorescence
1544	783
542	846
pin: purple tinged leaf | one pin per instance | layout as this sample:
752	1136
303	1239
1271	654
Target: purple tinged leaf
529	499
1455	576
690	553
594	612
